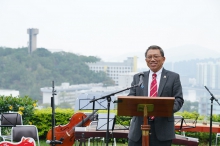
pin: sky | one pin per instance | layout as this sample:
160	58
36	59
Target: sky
111	29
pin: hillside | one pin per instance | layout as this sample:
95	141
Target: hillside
28	73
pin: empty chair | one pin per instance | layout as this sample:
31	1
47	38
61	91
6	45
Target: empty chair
102	124
9	120
93	126
217	136
24	131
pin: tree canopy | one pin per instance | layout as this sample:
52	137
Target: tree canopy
30	72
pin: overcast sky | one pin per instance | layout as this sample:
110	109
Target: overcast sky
111	28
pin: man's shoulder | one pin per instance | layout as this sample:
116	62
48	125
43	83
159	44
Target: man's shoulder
170	72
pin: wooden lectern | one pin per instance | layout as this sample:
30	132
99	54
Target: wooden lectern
145	106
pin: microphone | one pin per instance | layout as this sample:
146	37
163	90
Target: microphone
54	142
48	141
141	75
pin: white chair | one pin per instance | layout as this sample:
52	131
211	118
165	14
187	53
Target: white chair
93	125
9	120
24	131
102	124
216	140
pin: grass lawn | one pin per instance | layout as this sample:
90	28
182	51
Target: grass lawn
43	143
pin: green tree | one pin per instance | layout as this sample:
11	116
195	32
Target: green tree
190	106
30	72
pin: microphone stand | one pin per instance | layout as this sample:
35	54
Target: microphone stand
212	98
108	97
53	142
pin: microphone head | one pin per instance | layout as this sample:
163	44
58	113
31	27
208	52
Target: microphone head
48	141
141	74
54	142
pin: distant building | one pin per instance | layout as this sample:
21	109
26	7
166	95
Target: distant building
13	93
114	69
65	92
190	94
70	93
208	74
205	106
125	79
32	44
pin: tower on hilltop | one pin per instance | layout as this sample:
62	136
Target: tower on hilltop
32	44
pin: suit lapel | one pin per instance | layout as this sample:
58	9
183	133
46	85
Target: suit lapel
163	80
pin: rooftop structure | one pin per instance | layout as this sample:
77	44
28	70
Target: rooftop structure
13	93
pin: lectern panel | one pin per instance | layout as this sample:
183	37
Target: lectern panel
162	106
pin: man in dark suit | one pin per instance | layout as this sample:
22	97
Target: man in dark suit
168	84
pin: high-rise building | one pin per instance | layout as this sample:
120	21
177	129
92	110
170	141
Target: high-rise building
32	44
217	75
208	75
114	69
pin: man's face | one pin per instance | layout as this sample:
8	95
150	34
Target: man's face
154	60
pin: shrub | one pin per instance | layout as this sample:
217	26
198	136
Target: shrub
42	118
23	105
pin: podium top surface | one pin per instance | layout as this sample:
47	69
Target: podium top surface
159	106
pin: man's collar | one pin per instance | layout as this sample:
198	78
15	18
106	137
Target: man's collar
158	72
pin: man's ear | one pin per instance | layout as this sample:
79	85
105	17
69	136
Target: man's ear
164	58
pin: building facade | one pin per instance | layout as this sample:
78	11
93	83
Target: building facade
208	74
67	93
114	69
13	93
125	79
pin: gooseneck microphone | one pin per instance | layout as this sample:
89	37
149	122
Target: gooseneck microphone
141	75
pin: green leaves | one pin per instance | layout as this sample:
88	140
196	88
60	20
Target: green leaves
28	73
23	105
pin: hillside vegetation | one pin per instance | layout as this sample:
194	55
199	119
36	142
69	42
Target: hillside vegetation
30	72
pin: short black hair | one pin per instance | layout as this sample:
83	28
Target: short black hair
154	47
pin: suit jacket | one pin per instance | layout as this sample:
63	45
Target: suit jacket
170	86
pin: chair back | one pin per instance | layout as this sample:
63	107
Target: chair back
11	119
24	131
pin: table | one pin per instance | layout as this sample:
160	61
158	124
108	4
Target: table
199	128
114	134
82	135
180	125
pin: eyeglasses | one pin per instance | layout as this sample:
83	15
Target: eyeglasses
154	57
